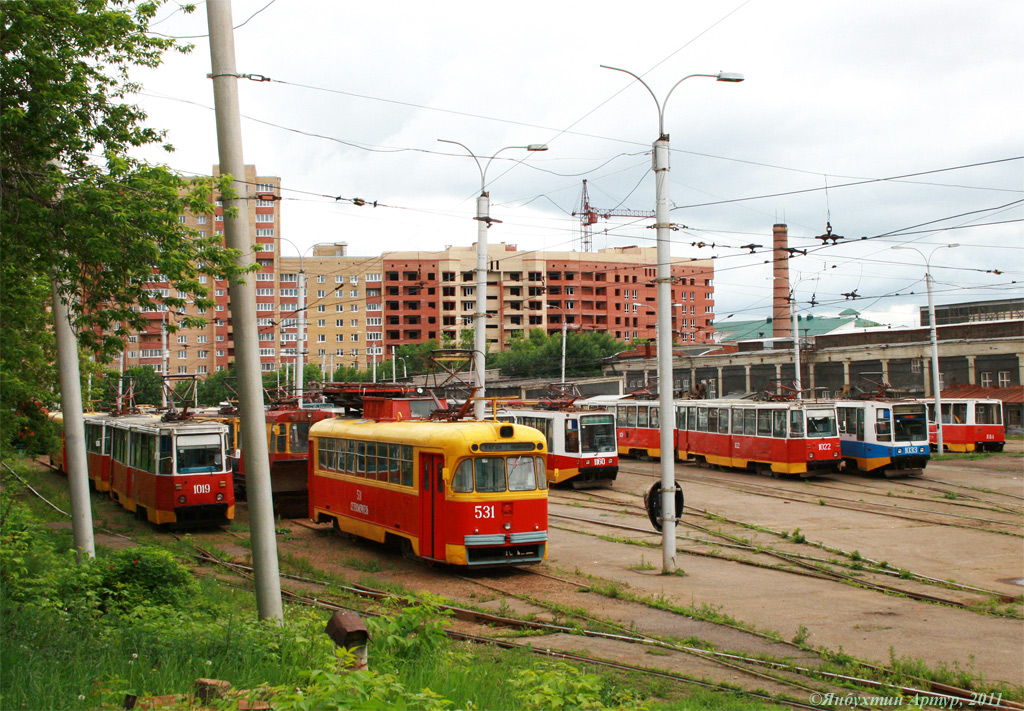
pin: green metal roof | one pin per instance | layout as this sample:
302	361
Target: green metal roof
811	326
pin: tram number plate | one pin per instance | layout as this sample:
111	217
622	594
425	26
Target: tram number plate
990	436
201	489
825	446
481	511
600	461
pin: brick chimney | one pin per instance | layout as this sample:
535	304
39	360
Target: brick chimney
781	320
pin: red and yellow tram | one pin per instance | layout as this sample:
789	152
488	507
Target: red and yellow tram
783	437
463	493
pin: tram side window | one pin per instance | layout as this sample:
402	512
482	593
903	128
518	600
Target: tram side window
622	413
691	418
702	419
737	422
723	420
655	414
960	412
94	438
490	474
749	421
713	419
142	454
778	423
572	436
165	457
360	463
764	423
680	418
643	416
108	434
796	423
883	427
321	453
406	464
120	446
987	413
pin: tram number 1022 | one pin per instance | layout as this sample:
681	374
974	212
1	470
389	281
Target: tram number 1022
483	511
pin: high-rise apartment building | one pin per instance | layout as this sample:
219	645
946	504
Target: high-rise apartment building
359	309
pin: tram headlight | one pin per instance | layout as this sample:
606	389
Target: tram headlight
507	526
220	496
182	499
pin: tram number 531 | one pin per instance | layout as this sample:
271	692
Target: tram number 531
482	511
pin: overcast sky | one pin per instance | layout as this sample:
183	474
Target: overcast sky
900	122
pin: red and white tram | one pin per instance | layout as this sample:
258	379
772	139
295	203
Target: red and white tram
968	425
581	444
637	424
782	437
167	471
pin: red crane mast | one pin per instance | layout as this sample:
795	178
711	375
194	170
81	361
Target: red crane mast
588	218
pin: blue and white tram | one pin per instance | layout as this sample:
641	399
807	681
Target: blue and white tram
888	437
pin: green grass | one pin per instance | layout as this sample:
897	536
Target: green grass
82	635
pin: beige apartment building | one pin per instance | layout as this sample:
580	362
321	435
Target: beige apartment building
359	309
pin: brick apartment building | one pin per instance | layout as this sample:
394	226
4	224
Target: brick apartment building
359	309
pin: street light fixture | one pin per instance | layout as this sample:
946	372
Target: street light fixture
664	280
480	317
934	337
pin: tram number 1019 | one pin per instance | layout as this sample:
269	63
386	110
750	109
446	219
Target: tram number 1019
483	511
201	489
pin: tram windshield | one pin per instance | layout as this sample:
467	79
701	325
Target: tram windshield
911	424
199	453
821	423
498	474
298	436
597	433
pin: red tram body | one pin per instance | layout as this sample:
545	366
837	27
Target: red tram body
581	444
784	437
462	493
968	425
169	472
637	424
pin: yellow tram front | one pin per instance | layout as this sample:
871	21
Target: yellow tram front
464	493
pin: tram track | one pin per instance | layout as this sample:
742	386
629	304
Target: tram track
859	505
809	566
803	679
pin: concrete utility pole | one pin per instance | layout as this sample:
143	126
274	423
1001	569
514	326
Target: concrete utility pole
74	427
242	292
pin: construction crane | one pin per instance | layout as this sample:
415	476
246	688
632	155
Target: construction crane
588	218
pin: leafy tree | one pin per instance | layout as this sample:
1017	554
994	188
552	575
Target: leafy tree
540	355
77	208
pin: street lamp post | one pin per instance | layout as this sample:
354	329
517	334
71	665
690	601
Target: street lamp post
483	203
664	335
564	328
934	337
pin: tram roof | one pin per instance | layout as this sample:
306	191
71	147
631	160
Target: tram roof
423	432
